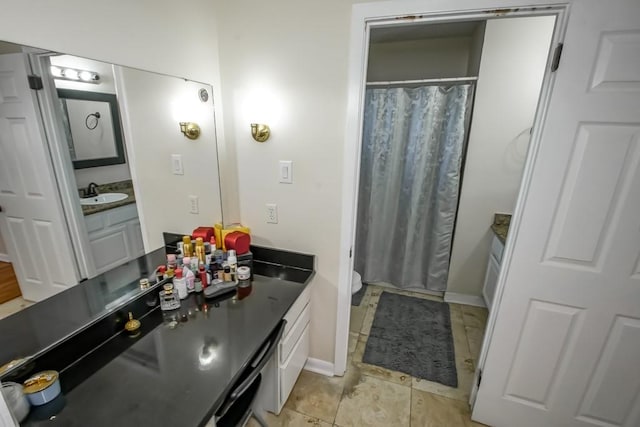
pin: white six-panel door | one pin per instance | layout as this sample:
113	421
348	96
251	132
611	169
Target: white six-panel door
565	350
31	220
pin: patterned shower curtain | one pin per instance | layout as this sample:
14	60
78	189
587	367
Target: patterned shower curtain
412	149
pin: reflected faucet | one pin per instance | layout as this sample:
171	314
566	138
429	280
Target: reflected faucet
92	190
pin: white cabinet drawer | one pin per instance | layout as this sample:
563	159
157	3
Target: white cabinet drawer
94	222
121	214
490	282
295	310
290	371
110	248
289	340
497	247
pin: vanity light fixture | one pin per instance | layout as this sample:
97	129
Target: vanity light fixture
260	132
84	76
190	130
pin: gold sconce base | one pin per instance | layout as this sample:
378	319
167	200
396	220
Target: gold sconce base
190	130
260	132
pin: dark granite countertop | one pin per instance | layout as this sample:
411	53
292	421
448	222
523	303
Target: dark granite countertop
114	187
33	330
500	225
159	377
162	379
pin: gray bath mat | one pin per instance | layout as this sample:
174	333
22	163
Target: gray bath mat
413	336
356	299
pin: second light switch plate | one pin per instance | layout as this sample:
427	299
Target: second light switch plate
285	169
176	164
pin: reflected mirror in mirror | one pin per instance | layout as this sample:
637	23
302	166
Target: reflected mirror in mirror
92	126
49	240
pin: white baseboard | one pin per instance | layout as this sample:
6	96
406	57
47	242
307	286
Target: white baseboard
4	257
319	367
466	299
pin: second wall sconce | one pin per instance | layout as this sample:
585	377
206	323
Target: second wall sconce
260	132
190	130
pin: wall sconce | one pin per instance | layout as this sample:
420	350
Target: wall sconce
260	132
190	130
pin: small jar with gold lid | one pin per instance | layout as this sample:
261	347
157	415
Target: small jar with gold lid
42	387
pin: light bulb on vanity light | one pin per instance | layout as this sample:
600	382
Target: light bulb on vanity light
56	71
86	76
70	73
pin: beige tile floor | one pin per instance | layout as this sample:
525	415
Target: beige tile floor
13	306
368	395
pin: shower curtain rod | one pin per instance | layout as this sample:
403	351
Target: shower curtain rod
452	80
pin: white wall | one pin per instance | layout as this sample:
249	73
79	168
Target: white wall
511	70
300	56
419	59
152	105
153	35
148	34
475	50
102	175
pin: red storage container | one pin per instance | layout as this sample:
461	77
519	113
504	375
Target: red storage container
238	241
205	232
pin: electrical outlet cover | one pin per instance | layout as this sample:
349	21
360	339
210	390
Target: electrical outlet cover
272	213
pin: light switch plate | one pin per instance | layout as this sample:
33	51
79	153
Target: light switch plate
194	207
285	169
176	164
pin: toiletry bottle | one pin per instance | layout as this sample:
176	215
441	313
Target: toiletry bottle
172	260
179	258
232	260
160	272
168	298
200	252
218	255
198	285
186	246
204	277
194	265
207	253
186	263
226	273
189	277
180	284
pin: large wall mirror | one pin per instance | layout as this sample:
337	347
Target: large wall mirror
92	125
73	137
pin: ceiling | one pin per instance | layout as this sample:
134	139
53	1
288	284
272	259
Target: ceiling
396	33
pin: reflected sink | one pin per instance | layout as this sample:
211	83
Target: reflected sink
101	199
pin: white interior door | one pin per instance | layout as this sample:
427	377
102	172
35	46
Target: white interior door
566	344
31	222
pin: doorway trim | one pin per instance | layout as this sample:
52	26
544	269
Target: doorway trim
367	15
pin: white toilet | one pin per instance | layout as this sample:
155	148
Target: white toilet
356	282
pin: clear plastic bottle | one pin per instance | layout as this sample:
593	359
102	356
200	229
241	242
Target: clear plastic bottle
168	298
180	284
232	260
218	255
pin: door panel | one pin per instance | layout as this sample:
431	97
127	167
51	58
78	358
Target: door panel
567	326
550	327
613	393
31	222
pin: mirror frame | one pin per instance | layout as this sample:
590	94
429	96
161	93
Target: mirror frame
112	100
